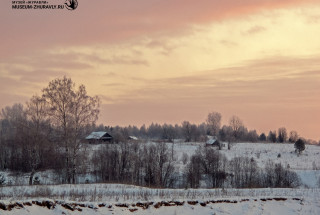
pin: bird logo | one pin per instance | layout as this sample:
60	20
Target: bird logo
71	4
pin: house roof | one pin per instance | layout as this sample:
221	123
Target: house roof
133	137
211	141
98	135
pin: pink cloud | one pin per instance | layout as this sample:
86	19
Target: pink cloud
111	21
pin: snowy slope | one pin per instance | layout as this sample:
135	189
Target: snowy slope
252	206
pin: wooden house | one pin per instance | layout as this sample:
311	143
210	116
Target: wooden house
99	137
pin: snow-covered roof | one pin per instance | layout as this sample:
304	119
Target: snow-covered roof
211	141
133	137
96	135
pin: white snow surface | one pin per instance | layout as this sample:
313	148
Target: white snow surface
288	207
246	201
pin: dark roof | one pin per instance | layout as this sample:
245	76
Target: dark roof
212	142
100	135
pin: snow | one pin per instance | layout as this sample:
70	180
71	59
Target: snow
96	135
129	193
309	178
306	165
246	206
133	138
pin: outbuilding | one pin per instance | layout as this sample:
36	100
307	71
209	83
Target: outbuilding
215	143
99	137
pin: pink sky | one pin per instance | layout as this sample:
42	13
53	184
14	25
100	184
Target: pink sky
169	61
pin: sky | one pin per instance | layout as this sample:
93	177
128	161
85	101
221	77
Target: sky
167	61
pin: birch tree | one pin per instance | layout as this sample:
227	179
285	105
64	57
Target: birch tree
214	122
70	110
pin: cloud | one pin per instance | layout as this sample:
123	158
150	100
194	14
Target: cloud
287	96
291	78
115	60
163	45
109	21
254	30
35	76
45	60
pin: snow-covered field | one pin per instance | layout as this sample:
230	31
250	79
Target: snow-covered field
130	193
287	207
127	199
306	165
123	199
262	152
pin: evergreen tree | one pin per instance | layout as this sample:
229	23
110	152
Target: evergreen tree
300	145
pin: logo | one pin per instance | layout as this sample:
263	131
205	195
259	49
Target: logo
71	4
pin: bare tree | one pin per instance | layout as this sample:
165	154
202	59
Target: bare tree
237	126
193	170
245	172
252	136
214	122
13	139
226	134
164	165
282	135
293	137
38	125
168	132
186	130
214	165
272	136
70	109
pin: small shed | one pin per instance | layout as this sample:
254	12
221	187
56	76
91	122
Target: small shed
99	137
133	138
213	142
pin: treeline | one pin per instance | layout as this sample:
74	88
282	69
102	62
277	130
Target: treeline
234	132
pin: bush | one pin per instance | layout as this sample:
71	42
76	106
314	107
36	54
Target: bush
36	180
300	145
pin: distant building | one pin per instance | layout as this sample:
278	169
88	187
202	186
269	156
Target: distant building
213	142
133	139
99	137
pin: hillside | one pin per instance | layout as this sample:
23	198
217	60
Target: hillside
125	199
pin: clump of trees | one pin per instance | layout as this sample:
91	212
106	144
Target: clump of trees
150	165
47	133
239	172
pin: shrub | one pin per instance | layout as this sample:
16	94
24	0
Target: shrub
36	180
300	145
